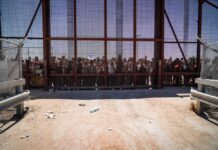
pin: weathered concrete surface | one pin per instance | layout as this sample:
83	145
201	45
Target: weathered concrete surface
155	122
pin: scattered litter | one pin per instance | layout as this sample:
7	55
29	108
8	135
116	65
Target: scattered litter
51	90
109	129
25	136
82	104
49	115
94	109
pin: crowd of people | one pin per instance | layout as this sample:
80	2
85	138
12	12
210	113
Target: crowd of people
119	70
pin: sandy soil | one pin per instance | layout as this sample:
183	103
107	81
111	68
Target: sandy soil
142	123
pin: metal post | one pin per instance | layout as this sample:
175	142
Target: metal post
75	41
200	105
134	39
200	4
19	89
105	43
46	43
1	52
159	46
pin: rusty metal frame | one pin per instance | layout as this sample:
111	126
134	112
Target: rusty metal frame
134	39
46	43
75	41
200	7
105	43
159	45
158	39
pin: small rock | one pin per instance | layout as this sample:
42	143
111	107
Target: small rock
109	129
25	136
82	104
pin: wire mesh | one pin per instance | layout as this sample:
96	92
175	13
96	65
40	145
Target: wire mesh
62	18
209	70
145	19
183	15
210	61
120	18
9	62
90	18
210	23
16	16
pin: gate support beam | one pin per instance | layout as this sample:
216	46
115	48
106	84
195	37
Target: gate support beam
75	42
200	5
1	52
159	46
134	39
46	43
105	43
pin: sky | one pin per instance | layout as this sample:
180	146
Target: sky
16	15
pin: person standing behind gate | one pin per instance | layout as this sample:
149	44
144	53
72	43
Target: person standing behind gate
119	69
92	70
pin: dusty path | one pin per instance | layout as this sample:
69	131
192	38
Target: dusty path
142	123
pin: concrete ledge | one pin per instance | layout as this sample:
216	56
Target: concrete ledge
208	82
14	100
204	98
6	86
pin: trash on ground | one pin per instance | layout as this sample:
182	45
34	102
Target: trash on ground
49	115
51	90
25	136
82	104
94	109
109	129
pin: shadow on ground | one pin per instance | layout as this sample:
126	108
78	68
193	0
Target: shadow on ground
111	94
8	119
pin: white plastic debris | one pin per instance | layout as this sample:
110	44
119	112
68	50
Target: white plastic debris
94	109
49	115
25	136
109	129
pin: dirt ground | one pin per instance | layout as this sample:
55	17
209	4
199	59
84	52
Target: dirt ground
128	119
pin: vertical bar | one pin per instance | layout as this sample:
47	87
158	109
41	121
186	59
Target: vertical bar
134	39
105	42
75	41
28	73
200	4
159	46
200	105
46	43
1	52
